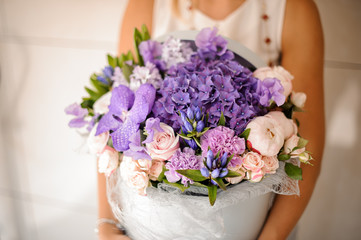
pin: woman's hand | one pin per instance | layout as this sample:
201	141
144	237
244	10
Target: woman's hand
110	232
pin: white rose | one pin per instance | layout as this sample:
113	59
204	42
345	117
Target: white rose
285	124
101	105
298	99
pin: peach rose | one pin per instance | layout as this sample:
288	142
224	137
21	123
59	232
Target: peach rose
235	180
156	169
298	99
164	143
276	72
266	135
252	161
144	164
101	105
138	180
108	161
285	124
290	144
96	144
271	164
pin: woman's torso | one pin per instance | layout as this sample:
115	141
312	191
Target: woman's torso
257	24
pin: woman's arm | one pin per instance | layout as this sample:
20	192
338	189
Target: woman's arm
303	56
138	12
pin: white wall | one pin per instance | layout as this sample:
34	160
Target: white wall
48	49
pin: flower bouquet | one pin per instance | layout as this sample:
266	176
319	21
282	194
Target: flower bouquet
189	119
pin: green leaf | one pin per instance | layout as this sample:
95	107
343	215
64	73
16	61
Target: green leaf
229	159
297	122
137	41
212	194
127	71
87	103
245	133
145	33
287	106
129	56
297	109
94	95
193	174
197	142
220	183
222	120
161	175
112	61
293	171
283	157
99	86
233	174
184	136
178	185
199	184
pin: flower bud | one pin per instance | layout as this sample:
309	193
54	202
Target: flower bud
198	114
205	172
223	173
200	126
190	113
224	159
188	126
215	173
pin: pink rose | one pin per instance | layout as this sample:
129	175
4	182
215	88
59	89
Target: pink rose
138	180
156	169
252	161
97	144
276	72
290	144
266	135
128	166
164	143
298	99
144	164
286	125
256	176
108	161
271	164
101	105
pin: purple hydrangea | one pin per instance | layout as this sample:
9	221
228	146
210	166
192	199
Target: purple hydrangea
223	140
210	44
182	161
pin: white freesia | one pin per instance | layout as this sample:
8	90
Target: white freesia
102	104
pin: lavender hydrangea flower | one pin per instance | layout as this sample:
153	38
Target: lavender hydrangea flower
271	89
126	112
79	113
182	161
147	74
210	44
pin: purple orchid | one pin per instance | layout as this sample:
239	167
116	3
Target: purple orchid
79	113
126	112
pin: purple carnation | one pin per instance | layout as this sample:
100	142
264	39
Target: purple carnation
182	161
223	140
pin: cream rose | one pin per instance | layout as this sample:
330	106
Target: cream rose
271	164
286	125
156	169
235	180
298	99
276	72
256	176
266	135
144	164
101	105
96	144
108	161
290	144
138	180
164	143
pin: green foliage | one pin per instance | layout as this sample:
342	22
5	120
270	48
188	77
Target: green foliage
220	183
293	171
284	157
140	36
212	194
178	185
232	174
245	134
161	175
222	120
195	175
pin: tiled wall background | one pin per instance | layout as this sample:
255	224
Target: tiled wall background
48	186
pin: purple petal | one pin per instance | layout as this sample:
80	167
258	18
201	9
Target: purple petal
122	99
122	135
223	173
77	123
152	125
215	173
205	172
76	110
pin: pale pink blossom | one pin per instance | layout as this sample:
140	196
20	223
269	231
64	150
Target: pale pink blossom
256	176
138	180
128	166
252	161
156	169
108	161
144	164
271	164
276	72
164	143
286	125
235	180
96	144
290	144
266	135
298	99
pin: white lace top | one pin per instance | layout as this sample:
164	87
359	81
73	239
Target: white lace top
247	24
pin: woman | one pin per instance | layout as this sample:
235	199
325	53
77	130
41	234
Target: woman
302	52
